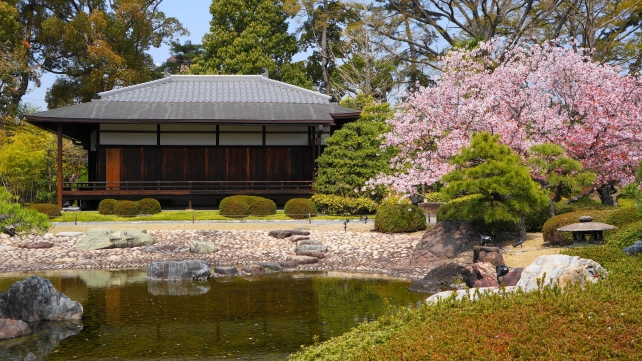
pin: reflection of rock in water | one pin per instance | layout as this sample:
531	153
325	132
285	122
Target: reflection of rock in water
46	338
177	288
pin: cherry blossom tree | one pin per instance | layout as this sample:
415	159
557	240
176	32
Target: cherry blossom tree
550	93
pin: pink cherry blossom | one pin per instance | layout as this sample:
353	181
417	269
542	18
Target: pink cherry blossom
527	95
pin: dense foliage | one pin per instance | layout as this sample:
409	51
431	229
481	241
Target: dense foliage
234	206
126	209
398	218
625	235
149	206
50	210
19	219
299	208
574	323
260	206
106	206
343	206
553	237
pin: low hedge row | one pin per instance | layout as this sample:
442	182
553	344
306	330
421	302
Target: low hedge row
299	208
397	218
50	210
242	206
343	206
129	208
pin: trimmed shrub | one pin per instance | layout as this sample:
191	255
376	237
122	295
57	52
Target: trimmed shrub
534	221
299	208
397	218
234	207
553	237
454	210
51	210
625	236
149	206
435	197
106	206
623	216
126	209
260	206
343	206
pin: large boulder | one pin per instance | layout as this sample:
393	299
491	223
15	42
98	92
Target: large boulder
446	241
513	276
203	247
488	254
183	270
471	294
634	249
450	274
36	299
13	328
425	286
103	238
561	269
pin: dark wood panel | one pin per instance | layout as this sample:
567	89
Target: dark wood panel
216	164
258	164
152	163
132	165
237	164
278	167
196	164
300	166
100	164
173	164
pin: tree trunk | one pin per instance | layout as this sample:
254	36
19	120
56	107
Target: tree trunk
522	228
607	197
558	193
551	208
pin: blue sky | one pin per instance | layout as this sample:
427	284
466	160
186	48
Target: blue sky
195	16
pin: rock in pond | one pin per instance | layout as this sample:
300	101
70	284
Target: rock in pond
253	269
36	299
182	270
103	238
226	270
425	286
561	269
287	264
203	247
13	328
316	254
303	259
272	266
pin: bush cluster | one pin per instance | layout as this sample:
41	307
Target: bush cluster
242	206
299	208
535	220
51	210
435	197
343	206
397	218
553	237
623	216
127	209
149	206
625	236
454	210
144	206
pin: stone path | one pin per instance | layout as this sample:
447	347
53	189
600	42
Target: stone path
347	251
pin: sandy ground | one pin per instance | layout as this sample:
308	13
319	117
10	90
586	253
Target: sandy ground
520	256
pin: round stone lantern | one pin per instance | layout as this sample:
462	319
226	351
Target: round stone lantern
587	230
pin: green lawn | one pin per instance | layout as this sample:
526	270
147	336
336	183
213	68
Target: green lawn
601	322
89	216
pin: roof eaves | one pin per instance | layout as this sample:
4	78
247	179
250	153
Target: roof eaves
295	88
134	87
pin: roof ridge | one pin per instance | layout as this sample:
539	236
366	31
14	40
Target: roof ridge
134	87
294	87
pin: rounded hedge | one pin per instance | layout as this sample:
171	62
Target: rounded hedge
51	210
625	236
234	207
343	206
126	209
454	210
396	218
149	206
623	216
260	206
299	208
534	221
553	237
106	206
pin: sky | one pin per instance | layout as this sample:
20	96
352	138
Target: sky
193	14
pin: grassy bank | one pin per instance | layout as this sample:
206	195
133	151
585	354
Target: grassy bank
601	322
177	216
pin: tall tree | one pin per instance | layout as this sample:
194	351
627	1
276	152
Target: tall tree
540	94
247	36
182	57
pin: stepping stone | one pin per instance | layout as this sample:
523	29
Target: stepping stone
297	232
287	233
69	234
253	269
303	259
272	266
299	238
287	264
316	254
36	245
226	270
320	248
310	242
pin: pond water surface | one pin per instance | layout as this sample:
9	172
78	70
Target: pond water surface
127	317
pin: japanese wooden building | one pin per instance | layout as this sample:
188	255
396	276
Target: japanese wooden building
197	138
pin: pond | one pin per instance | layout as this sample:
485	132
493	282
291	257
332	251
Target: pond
127	317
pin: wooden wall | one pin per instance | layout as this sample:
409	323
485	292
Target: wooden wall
150	163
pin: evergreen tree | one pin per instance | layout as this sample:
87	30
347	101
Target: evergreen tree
245	37
491	170
15	219
353	154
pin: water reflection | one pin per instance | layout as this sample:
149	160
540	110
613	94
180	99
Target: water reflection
45	339
265	318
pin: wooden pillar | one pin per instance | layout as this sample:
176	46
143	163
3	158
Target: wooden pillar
59	165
